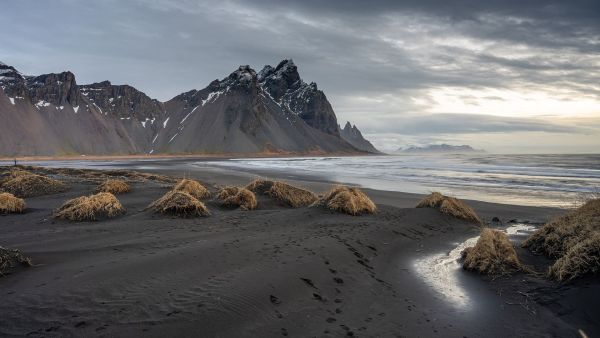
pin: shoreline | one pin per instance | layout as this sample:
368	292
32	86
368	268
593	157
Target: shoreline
180	156
188	166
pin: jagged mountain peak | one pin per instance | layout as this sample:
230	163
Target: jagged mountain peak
12	81
4	68
352	135
288	69
284	84
243	75
280	79
286	63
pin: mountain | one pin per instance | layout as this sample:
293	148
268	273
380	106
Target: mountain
284	86
440	149
49	115
272	111
353	136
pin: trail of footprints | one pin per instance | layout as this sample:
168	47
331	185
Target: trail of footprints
334	308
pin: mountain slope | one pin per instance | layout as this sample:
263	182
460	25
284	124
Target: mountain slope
273	111
237	115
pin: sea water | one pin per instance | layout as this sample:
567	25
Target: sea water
537	180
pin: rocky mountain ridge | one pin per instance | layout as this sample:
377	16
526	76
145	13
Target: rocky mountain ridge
272	111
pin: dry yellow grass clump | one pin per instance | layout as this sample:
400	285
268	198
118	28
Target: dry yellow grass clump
12	173
450	206
179	203
114	186
91	208
493	254
282	192
573	239
237	197
349	200
193	188
22	183
10	258
9	204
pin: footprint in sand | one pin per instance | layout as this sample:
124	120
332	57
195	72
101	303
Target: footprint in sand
309	282
274	300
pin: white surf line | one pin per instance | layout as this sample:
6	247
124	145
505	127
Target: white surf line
441	271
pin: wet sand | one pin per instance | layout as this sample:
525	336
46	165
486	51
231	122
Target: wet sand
270	272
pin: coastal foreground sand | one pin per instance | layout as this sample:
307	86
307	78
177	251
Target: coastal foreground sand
270	272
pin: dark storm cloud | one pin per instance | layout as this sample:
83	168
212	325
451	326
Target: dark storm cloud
386	52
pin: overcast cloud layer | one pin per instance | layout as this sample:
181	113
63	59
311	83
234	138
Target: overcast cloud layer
506	76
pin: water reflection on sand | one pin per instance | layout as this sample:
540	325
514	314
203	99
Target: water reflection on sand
442	271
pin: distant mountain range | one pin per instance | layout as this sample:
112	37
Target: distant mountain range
270	112
440	149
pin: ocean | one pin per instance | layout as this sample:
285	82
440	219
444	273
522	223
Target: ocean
537	180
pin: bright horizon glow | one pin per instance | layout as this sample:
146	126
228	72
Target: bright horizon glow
512	103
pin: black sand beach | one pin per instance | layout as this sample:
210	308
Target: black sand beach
270	272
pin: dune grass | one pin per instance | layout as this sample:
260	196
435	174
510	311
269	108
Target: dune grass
581	259
349	200
450	206
283	193
180	204
573	239
11	258
9	204
493	254
11	173
96	176
193	188
22	183
91	208
114	186
243	198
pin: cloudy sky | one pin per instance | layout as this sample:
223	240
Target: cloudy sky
505	76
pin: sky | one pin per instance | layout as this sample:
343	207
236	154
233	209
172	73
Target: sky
504	76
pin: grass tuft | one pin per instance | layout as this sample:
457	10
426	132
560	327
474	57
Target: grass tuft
180	204
91	208
9	204
114	186
243	198
450	206
349	200
193	188
22	183
573	239
11	258
493	254
283	193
